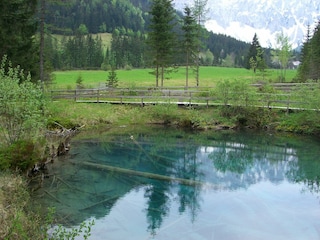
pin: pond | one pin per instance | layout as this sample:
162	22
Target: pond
164	183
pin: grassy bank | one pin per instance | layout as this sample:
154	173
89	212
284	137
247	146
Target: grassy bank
16	221
70	113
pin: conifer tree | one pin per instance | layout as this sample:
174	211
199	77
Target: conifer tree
304	67
315	54
310	58
255	55
17	30
161	38
199	11
190	41
112	80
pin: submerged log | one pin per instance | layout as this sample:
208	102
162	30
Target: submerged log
142	174
98	203
51	195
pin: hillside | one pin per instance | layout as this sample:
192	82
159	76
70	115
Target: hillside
106	16
97	16
105	37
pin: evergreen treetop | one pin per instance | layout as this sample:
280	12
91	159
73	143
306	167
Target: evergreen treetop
310	56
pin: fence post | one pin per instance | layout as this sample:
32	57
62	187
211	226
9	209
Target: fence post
75	95
98	96
288	103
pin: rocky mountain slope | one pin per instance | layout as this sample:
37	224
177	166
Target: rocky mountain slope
242	18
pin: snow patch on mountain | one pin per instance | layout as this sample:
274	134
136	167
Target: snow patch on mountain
241	19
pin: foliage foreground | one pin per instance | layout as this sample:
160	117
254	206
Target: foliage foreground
19	222
15	222
22	145
22	121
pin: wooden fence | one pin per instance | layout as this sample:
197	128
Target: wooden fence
141	96
180	96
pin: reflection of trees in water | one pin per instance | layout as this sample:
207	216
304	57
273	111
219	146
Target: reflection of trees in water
235	159
238	164
232	161
189	200
178	160
186	167
275	160
307	169
158	205
157	192
234	164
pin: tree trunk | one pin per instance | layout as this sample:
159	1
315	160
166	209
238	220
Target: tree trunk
142	174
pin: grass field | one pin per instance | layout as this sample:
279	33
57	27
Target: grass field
142	77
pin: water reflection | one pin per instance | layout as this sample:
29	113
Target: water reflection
220	161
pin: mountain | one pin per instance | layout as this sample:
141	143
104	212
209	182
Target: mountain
242	18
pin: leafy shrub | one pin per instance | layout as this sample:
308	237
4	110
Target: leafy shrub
20	155
305	122
84	230
248	116
308	96
166	113
235	92
21	105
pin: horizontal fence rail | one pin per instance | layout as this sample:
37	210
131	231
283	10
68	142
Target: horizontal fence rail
190	97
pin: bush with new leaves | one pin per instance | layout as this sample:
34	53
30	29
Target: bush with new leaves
21	104
21	109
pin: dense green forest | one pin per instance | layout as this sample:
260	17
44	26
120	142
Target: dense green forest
310	56
96	15
128	22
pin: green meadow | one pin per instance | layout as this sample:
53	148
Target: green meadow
143	78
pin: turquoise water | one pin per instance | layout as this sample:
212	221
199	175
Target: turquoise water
217	185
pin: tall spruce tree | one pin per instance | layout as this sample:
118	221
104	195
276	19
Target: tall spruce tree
17	29
310	56
315	54
190	41
305	58
199	11
161	38
255	56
